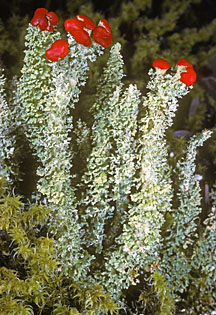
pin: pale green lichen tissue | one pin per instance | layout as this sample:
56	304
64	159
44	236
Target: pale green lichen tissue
47	119
8	124
139	244
108	227
183	231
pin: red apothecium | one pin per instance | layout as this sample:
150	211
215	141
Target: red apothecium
161	64
53	18
44	19
39	19
40	11
58	50
88	23
78	27
184	62
50	28
82	37
81	26
188	77
106	25
73	25
102	34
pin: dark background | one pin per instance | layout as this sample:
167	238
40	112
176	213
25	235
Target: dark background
206	10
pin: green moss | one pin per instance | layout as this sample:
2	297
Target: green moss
30	278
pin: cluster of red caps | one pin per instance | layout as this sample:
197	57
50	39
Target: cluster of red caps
44	19
80	28
188	77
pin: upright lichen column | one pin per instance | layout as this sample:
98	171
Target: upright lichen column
140	241
68	76
182	235
95	204
48	93
8	123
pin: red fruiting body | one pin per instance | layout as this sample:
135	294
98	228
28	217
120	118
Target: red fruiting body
72	25
82	37
188	77
184	62
59	49
76	28
50	28
53	18
106	25
40	11
40	21
88	23
102	37
161	64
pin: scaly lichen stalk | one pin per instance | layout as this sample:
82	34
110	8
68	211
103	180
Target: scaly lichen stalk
139	242
204	254
95	205
176	260
35	83
68	76
46	114
8	123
